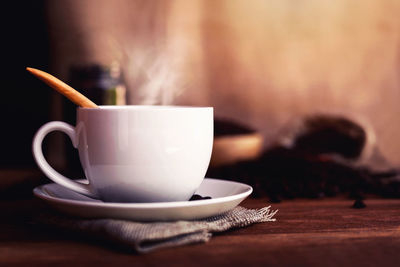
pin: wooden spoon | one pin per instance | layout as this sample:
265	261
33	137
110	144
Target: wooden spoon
63	88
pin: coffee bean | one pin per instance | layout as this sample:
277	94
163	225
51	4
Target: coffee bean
198	197
359	204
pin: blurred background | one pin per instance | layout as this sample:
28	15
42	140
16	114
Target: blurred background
258	63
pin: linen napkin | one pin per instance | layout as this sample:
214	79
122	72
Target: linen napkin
145	237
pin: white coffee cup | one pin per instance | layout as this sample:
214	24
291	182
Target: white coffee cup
136	153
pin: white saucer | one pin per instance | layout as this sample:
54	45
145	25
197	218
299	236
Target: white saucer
225	196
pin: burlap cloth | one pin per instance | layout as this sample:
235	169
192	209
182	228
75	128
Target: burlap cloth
149	236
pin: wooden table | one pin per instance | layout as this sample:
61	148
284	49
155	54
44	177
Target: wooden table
324	232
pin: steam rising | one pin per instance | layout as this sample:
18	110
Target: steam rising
152	77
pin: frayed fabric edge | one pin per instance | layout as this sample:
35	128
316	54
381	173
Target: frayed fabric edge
267	214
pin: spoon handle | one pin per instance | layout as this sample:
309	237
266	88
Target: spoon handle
63	88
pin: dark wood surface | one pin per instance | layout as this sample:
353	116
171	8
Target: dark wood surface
325	232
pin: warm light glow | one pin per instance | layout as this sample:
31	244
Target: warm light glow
260	62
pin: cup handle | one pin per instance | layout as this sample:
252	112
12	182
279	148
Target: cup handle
58	178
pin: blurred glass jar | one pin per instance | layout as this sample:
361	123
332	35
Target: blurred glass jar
102	84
